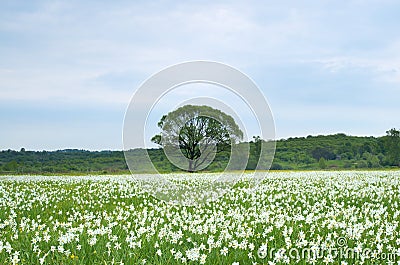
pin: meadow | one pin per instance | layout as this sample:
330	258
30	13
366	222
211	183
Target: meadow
319	217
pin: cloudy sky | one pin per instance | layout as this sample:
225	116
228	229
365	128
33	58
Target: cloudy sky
68	69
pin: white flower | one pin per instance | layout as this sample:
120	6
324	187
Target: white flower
193	254
251	246
60	249
46	238
178	255
224	251
42	259
15	259
328	259
92	241
203	258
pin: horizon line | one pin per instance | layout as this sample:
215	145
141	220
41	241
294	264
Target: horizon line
114	149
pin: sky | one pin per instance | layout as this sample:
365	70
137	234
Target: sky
68	69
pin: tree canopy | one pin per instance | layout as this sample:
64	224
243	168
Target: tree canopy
197	132
392	144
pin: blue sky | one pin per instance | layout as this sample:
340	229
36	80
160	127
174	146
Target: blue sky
69	68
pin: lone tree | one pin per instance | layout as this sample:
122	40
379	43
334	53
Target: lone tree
198	132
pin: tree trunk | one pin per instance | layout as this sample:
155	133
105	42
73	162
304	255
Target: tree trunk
191	170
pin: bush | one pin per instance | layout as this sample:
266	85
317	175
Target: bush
362	164
322	163
347	165
276	166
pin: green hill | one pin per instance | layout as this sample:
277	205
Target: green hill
338	151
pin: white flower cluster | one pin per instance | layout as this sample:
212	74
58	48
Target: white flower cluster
112	220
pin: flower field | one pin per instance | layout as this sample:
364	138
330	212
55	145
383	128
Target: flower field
292	218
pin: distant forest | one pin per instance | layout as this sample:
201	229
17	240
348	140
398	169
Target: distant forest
338	151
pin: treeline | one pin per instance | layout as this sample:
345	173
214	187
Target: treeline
62	161
337	151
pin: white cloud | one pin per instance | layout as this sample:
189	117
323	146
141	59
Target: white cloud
377	66
383	64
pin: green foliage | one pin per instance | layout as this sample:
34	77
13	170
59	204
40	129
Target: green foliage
196	131
322	163
392	146
343	151
339	151
11	166
62	162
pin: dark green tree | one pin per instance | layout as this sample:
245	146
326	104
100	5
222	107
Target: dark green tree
323	152
322	163
255	151
11	166
392	146
197	131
